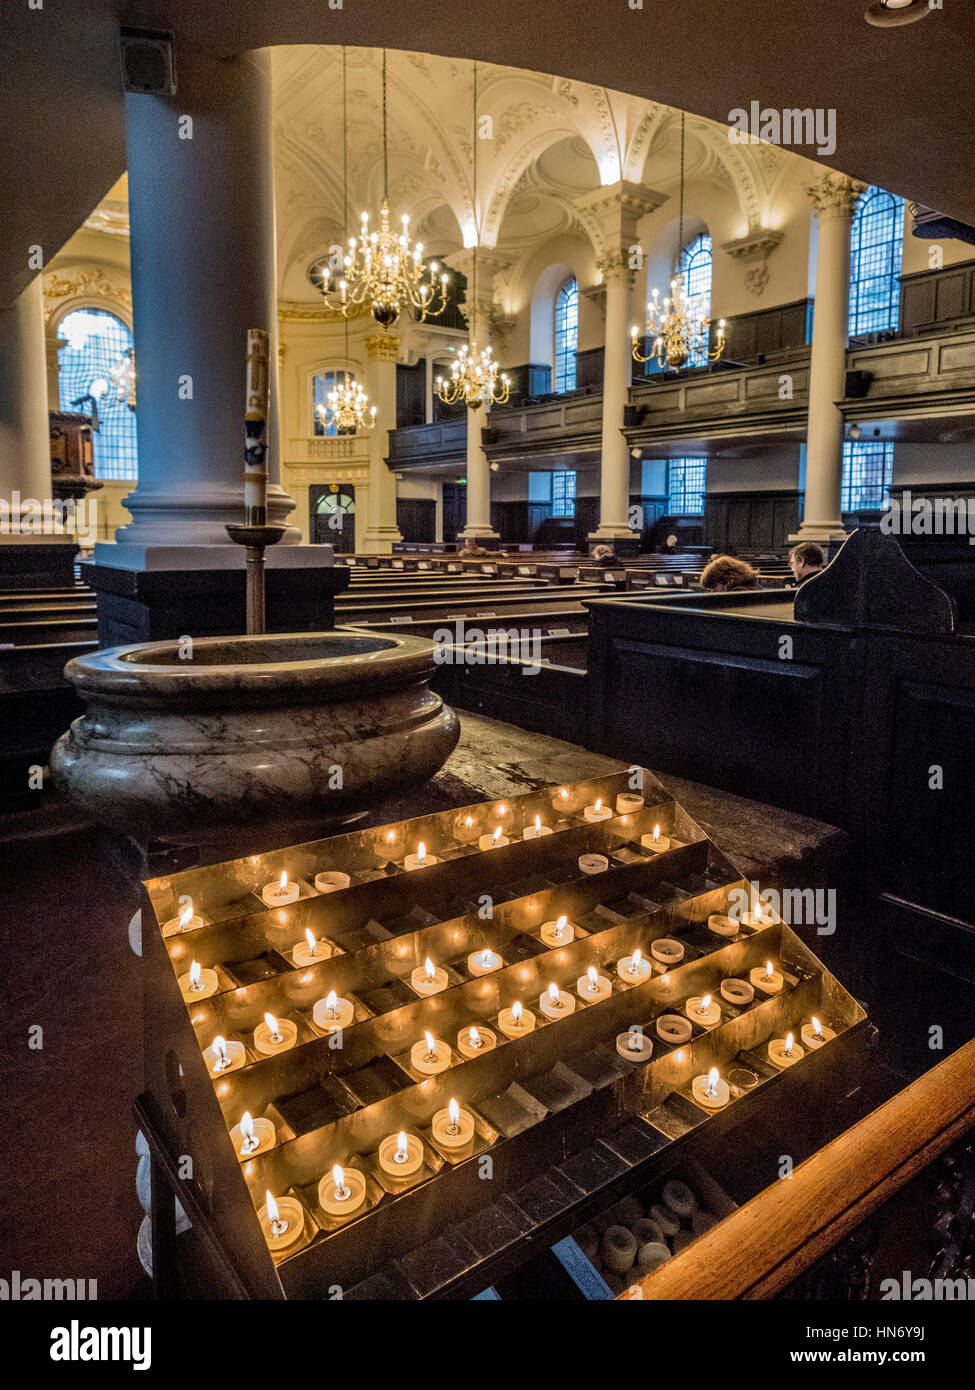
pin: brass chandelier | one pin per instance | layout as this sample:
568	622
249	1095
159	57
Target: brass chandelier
383	268
475	377
680	328
347	405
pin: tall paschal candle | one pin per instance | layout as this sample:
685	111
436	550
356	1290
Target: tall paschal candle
255	426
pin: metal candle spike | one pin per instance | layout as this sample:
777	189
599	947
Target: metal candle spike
255	534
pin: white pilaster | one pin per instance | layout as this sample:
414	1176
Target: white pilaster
381	528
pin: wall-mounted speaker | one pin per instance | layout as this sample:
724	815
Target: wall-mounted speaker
148	62
857	385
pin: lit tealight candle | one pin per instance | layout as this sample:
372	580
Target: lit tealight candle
332	880
281	1221
401	1154
428	978
760	916
465	830
597	811
628	803
223	1056
185	920
593	987
453	1128
593	863
252	1136
710	1091
430	1056
556	1003
332	1012
668	950
494	840
198	983
723	925
737	992
536	831
281	893
633	969
655	841
483	962
767	978
516	1021
785	1052
558	933
342	1192
275	1035
471	1042
421	859
814	1034
310	951
703	1010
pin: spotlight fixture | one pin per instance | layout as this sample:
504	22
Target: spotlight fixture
889	14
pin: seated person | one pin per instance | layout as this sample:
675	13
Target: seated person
604	555
471	547
670	545
725	573
805	560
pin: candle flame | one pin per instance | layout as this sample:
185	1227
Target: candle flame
331	1001
553	994
195	969
469	822
516	1012
338	1177
713	1079
789	1040
220	1047
637	957
474	1037
563	794
593	974
769	972
247	1127
501	809
431	969
817	1027
487	960
758	911
272	1024
705	1003
310	938
560	926
656	832
497	835
186	916
599	804
431	1044
402	1144
453	1110
391	836
538	825
272	1207
421	852
282	885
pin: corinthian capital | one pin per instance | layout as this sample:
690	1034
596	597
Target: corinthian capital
382	347
615	269
835	196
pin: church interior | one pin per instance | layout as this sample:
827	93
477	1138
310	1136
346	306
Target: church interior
487	652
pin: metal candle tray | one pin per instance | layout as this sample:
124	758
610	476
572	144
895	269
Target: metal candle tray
538	1100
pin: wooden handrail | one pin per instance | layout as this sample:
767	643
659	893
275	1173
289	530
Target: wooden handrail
761	1248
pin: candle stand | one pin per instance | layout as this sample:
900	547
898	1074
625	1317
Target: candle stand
565	1123
255	540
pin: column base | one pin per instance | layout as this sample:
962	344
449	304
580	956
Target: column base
822	532
379	540
622	539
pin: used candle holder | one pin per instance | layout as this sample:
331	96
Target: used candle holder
551	1015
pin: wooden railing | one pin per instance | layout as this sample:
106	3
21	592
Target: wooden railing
760	1249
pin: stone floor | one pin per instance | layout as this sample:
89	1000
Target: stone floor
68	1159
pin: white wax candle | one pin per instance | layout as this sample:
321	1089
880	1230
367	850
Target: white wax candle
453	1128
252	1137
430	1056
667	950
483	962
281	892
331	880
465	829
556	1003
710	1091
495	840
198	983
628	803
282	1221
428	978
722	925
222	1056
420	860
767	978
703	1010
333	1012
592	987
634	1045
473	1041
673	1030
516	1021
185	920
761	915
401	1155
814	1034
632	969
597	811
785	1052
256	413
274	1035
737	992
593	863
655	841
558	933
310	951
536	831
342	1192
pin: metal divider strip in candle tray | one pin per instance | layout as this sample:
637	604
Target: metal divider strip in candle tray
323	1098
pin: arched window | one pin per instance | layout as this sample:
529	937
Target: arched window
97	343
876	253
695	264
322	386
566	335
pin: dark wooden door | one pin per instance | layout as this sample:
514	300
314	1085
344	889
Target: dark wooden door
331	509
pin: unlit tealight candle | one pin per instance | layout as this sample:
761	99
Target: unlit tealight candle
634	1045
556	1003
723	925
628	803
281	892
593	863
331	880
275	1035
592	987
667	950
557	933
673	1030
428	978
430	1056
737	992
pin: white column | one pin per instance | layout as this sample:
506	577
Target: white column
381	527
834	198
202	252
25	448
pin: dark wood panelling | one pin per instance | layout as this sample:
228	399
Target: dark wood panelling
750	519
766	331
530	379
932	298
454	509
589	368
416	518
410	394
